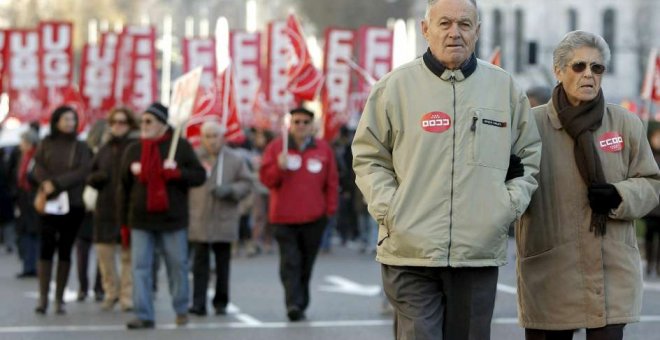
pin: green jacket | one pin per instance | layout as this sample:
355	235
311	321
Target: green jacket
430	156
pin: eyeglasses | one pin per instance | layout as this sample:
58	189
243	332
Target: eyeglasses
146	121
580	66
118	122
301	122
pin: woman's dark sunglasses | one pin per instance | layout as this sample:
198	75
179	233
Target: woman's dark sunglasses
580	66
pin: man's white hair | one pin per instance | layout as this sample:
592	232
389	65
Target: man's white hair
430	4
213	125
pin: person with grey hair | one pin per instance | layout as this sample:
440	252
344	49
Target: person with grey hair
578	262
442	139
214	215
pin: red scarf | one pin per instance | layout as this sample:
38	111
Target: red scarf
151	174
23	181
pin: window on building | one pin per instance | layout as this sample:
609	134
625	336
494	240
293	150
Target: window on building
520	41
609	34
572	19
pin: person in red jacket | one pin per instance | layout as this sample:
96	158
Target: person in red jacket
303	186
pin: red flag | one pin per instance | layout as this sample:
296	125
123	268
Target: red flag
304	79
213	104
56	62
25	101
651	87
337	85
3	56
98	74
496	57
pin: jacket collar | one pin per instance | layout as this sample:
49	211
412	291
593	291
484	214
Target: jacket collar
442	72
554	116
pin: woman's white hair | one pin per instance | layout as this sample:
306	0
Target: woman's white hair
574	40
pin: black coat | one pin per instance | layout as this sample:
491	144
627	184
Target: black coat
132	197
105	178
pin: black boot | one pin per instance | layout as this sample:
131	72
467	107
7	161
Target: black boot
44	271
650	263
60	281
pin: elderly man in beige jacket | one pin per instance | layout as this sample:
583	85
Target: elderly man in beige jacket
214	215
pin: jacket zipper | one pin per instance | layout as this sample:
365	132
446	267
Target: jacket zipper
453	155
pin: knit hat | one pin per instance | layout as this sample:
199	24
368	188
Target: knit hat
159	111
303	111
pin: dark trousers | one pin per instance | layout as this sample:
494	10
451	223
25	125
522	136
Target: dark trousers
222	251
59	233
609	332
440	302
299	245
83	248
29	248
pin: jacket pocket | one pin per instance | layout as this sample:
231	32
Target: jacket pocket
491	138
388	220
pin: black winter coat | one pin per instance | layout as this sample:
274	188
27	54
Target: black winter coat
132	197
105	177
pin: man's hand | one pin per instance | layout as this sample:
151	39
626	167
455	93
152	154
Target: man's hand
282	161
516	168
603	198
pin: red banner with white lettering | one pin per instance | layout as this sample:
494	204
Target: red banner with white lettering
56	62
200	52
277	79
375	53
651	87
337	85
304	79
245	52
23	86
98	74
136	78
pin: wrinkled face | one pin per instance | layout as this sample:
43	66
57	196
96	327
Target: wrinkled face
451	31
301	126
118	124
67	122
151	127
212	141
581	85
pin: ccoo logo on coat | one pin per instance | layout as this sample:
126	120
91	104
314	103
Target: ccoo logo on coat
611	141
436	122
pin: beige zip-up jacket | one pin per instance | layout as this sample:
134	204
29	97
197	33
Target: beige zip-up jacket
430	156
569	278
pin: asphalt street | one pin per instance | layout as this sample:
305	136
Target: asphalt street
346	304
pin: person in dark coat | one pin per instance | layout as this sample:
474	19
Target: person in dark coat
61	165
652	219
106	233
153	201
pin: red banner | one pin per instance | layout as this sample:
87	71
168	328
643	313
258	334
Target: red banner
56	62
98	74
337	85
276	79
245	52
375	54
304	79
23	85
136	79
200	52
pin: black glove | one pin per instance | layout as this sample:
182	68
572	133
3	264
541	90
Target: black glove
603	197
222	191
516	168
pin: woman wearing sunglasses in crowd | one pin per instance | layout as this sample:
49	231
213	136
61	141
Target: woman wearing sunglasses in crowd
123	130
578	260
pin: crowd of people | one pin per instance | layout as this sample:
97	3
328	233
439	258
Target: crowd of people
448	153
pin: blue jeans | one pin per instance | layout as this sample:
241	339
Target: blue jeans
173	246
